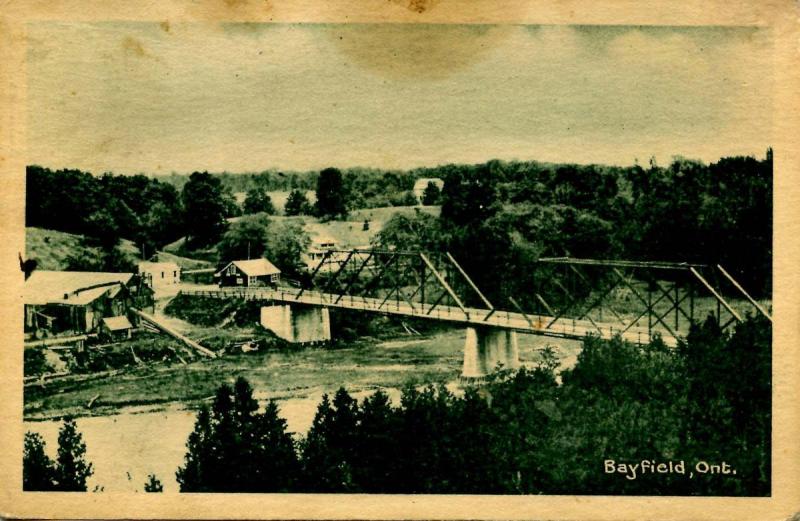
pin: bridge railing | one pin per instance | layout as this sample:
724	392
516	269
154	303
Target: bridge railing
568	328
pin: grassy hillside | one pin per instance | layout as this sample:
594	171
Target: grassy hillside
351	233
184	262
347	234
51	248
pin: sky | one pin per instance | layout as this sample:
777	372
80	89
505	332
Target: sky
160	98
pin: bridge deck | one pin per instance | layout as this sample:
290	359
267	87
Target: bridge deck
532	324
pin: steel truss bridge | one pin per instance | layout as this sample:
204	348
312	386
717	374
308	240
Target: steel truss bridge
576	297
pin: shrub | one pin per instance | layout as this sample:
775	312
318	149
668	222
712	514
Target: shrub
153	484
35	362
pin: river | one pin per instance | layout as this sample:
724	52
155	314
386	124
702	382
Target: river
124	448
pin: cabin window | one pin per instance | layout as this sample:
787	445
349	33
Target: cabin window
231	270
273	277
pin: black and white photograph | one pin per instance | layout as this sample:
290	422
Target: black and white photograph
430	259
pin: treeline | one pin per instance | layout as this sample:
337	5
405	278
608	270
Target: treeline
144	210
522	433
498	218
363	187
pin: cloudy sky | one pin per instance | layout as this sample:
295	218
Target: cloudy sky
140	97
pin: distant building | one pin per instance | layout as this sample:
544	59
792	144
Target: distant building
322	248
77	302
160	274
421	184
320	244
249	273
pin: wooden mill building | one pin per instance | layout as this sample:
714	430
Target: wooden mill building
77	302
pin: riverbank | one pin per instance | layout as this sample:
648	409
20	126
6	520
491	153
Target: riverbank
274	375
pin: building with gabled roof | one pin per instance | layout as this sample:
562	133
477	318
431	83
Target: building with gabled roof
249	273
116	328
159	274
76	302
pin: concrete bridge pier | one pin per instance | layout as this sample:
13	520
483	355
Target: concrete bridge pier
298	324
485	348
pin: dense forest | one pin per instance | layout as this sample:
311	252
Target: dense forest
525	432
497	218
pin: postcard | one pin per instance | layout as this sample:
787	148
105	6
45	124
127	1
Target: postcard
406	259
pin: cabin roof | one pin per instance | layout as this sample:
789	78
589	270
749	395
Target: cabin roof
120	323
157	266
253	267
323	239
75	288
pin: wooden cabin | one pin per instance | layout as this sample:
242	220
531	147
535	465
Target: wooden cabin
249	273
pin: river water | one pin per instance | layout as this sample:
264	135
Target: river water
124	448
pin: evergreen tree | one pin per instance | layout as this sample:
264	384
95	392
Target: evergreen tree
275	463
38	470
296	204
72	469
258	200
431	194
330	194
473	447
233	448
425	442
193	476
376	459
330	448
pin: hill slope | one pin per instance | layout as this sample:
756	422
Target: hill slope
52	248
